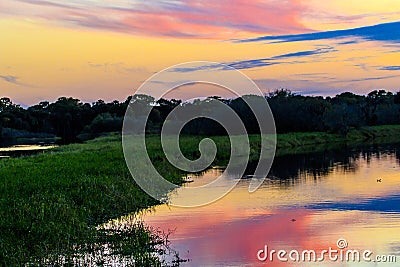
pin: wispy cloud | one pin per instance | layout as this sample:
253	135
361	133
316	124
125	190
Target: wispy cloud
14	80
306	53
190	18
390	68
387	32
118	67
253	63
263	62
368	79
48	3
10	79
348	42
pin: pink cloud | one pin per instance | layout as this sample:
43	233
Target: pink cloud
200	19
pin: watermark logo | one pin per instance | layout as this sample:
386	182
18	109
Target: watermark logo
340	253
342	243
160	84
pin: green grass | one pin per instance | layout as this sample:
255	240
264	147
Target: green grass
293	143
50	203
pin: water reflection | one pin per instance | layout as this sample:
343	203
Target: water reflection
309	202
23	150
323	162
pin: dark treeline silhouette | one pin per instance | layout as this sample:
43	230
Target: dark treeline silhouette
66	118
72	119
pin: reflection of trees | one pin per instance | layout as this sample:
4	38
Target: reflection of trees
319	164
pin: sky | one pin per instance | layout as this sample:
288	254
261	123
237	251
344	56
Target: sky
106	49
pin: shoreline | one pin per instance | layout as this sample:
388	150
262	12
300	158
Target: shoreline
64	193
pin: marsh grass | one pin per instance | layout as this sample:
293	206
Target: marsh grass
51	204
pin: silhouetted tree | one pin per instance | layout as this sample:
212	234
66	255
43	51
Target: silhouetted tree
69	117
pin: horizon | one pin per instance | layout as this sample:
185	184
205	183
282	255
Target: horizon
191	99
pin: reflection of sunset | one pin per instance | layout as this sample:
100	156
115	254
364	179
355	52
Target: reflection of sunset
305	215
239	239
364	230
364	184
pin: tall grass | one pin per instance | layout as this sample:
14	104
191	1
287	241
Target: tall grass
52	203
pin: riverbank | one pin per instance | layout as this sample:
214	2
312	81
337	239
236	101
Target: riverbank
294	143
379	134
51	203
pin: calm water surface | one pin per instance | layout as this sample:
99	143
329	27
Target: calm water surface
311	201
7	151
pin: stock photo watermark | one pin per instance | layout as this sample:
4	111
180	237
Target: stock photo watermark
340	253
159	85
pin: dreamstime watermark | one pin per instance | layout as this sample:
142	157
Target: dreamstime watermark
159	85
340	253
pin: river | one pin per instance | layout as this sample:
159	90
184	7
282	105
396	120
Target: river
8	150
311	202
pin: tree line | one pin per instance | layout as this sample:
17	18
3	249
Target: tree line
71	119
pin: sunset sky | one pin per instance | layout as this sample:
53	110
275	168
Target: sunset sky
105	49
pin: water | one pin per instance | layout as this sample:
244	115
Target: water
311	202
7	151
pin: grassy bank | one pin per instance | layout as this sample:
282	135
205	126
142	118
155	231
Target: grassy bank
51	203
384	133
